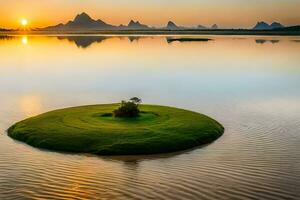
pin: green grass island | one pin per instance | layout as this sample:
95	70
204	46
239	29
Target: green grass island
95	129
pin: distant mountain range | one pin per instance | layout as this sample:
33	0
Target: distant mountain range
84	22
266	26
172	26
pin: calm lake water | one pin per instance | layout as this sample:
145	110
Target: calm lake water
249	84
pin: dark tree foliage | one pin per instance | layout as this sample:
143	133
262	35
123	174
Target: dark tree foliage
136	100
128	109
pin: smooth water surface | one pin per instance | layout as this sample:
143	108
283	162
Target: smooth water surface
249	84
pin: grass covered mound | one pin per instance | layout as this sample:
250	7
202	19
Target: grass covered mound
94	129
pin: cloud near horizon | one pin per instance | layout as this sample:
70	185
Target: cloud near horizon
230	13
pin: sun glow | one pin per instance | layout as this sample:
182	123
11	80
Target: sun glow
24	22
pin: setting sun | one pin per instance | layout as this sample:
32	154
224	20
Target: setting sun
24	22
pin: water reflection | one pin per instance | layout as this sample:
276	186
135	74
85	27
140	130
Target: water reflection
263	41
24	40
6	37
30	105
84	41
87	41
187	39
134	38
252	89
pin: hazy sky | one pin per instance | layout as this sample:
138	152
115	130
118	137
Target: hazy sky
226	13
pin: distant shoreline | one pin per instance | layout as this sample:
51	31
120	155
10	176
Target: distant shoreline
160	32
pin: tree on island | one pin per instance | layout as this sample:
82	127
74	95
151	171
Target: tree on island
136	100
128	109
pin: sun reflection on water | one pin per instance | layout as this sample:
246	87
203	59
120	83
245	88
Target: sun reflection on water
24	40
31	105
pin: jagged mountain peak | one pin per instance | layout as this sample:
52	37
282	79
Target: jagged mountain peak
132	22
276	25
137	24
83	17
172	25
215	26
261	25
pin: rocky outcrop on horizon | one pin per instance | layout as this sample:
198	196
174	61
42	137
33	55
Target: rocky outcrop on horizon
201	27
265	26
136	25
276	25
172	26
261	26
215	26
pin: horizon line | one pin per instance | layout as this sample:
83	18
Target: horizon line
151	26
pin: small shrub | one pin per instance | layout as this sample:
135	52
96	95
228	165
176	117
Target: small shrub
128	109
107	115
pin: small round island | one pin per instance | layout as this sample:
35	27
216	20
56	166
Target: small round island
95	129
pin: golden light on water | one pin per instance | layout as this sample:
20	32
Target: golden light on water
31	105
24	40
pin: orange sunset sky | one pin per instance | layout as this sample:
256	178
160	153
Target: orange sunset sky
225	13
